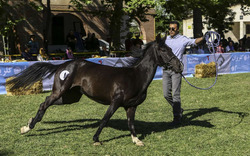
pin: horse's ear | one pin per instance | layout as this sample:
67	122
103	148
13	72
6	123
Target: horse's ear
164	38
158	38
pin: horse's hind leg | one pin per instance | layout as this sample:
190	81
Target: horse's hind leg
131	117
69	96
55	98
43	107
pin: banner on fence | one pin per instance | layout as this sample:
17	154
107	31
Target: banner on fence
9	69
227	63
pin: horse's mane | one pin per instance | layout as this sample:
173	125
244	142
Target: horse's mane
144	50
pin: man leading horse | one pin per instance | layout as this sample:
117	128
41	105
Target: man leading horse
170	79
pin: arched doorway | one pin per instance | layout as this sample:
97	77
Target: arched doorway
62	24
57	30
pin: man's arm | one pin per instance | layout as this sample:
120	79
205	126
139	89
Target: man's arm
198	40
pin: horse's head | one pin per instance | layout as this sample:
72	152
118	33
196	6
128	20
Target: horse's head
166	57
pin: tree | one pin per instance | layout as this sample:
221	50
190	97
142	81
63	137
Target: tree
47	16
162	18
7	24
10	16
245	10
218	14
114	10
183	9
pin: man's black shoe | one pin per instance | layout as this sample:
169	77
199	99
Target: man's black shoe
182	111
175	122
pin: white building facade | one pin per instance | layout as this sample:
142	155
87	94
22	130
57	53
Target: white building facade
240	27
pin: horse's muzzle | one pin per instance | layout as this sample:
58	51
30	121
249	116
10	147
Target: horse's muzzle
181	67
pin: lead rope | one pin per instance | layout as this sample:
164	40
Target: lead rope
212	40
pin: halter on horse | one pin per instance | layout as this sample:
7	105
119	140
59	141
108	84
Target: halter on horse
117	87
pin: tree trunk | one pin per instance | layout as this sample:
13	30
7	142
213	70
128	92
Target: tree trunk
47	17
197	21
115	24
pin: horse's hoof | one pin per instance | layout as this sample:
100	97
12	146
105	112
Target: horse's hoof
97	143
25	129
139	143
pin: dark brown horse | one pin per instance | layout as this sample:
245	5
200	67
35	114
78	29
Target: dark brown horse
114	86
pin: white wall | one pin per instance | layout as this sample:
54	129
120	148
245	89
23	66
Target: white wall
57	2
239	28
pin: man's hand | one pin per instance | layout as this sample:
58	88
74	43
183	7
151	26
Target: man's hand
198	40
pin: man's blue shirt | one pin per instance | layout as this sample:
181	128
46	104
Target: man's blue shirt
178	44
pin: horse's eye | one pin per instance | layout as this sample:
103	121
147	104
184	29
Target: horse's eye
162	49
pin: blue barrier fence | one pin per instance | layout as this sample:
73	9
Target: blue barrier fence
238	62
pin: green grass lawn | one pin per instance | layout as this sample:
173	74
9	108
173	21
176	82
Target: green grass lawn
216	122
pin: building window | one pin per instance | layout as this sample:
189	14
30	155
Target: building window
248	29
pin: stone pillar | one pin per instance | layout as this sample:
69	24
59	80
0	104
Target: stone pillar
242	29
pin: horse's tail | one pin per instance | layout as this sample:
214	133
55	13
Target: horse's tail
32	74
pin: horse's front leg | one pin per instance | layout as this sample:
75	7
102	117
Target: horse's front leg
131	117
111	110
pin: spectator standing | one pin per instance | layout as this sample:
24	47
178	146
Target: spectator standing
137	41
71	40
129	42
33	44
229	39
19	48
236	46
241	46
88	42
244	39
95	46
79	42
137	46
247	44
15	41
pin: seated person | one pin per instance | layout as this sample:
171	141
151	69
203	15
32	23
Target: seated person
137	41
230	47
220	48
42	56
104	51
69	53
26	54
200	49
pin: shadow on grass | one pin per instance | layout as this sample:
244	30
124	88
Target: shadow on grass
142	128
188	118
72	125
6	153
